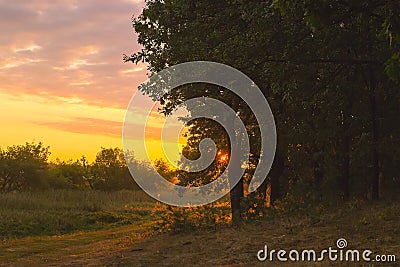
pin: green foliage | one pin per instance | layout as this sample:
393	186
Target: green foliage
109	170
69	174
23	167
392	67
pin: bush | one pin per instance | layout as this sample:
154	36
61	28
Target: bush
178	219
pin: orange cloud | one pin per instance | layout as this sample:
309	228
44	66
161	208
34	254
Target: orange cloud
88	126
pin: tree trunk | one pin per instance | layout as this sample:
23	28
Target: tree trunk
276	172
374	137
261	192
346	145
345	179
236	196
237	192
318	176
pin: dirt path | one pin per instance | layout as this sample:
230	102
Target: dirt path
84	248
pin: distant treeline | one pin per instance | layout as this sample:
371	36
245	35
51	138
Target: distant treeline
27	167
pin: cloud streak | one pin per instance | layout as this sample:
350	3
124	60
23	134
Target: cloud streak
87	126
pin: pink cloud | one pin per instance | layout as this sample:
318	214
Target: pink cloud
69	48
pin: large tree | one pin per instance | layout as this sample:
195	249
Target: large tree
327	68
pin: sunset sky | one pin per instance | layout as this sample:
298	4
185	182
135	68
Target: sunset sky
62	78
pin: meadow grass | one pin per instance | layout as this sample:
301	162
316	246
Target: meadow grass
57	212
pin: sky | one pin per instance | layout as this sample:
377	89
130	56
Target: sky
62	78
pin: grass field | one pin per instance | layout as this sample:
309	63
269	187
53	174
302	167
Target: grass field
126	236
65	211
